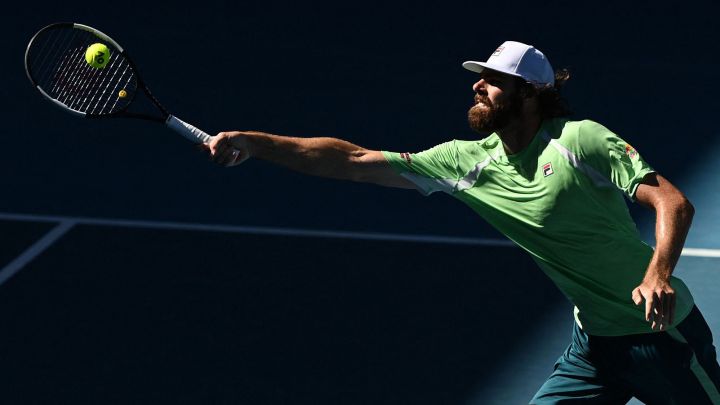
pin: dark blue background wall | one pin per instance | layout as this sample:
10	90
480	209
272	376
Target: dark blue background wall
382	75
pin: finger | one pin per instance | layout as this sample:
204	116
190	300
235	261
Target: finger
668	309
238	157
224	156
213	147
662	320
649	306
212	142
637	297
232	156
672	309
660	307
219	147
657	313
218	142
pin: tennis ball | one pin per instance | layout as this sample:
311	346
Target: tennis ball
97	55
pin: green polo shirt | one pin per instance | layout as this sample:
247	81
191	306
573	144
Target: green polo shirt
560	199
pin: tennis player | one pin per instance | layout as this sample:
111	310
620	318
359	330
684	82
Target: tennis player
555	187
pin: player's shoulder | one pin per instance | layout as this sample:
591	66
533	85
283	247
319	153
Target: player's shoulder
576	133
564	128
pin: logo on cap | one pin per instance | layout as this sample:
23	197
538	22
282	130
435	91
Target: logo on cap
498	51
547	169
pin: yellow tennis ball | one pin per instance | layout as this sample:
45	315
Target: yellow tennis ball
97	55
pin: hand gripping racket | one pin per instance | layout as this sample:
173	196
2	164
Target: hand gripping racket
56	64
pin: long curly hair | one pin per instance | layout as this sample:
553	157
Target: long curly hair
551	103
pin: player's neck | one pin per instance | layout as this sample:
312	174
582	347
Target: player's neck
517	135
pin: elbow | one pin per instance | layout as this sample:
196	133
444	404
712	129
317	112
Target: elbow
681	208
687	208
358	169
353	170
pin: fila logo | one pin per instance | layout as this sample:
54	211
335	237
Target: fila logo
407	157
547	169
498	51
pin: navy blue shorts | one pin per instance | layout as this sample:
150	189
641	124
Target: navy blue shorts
678	366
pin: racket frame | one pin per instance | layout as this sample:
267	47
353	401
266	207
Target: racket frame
188	131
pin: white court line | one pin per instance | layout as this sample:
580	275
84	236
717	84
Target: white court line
35	250
256	230
701	252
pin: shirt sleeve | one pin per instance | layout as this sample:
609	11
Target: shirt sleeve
611	156
435	169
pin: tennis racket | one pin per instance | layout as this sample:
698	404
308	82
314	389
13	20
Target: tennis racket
56	64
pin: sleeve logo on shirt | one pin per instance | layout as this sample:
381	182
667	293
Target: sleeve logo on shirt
630	151
547	169
498	51
407	157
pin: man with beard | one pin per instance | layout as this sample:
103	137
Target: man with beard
555	187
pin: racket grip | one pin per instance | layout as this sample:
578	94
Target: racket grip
198	136
193	134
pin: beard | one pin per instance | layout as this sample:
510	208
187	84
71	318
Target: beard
486	117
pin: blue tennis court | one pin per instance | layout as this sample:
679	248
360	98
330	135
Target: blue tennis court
119	311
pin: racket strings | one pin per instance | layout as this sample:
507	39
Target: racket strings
57	62
128	83
85	78
91	90
67	79
112	88
49	54
57	80
94	88
52	50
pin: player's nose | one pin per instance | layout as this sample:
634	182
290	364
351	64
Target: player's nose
479	85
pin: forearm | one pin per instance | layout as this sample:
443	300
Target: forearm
674	217
326	157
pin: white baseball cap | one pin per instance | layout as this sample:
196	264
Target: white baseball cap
520	60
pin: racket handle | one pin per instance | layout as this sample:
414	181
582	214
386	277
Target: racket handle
198	136
193	134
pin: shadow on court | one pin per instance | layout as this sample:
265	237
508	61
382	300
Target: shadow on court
126	315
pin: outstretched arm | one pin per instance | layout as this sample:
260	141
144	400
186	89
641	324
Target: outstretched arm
674	215
324	157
